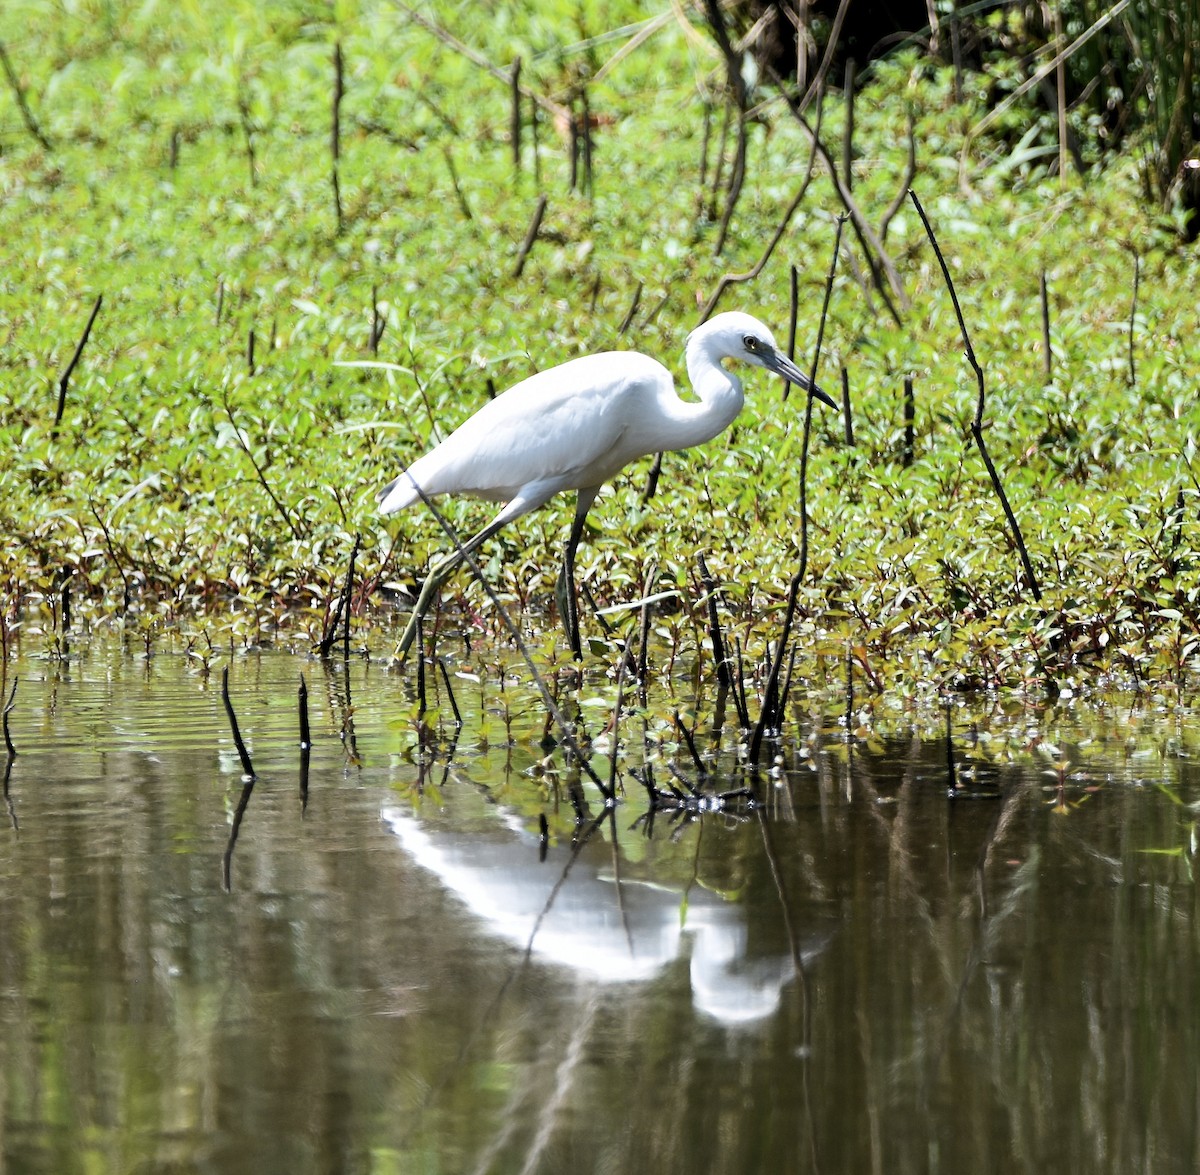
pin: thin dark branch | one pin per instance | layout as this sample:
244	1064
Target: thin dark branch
530	235
1047	356
31	124
910	170
458	720
335	136
65	378
730	279
262	477
633	309
556	109
1137	277
244	755
720	658
690	743
770	715
883	269
977	423
8	708
515	119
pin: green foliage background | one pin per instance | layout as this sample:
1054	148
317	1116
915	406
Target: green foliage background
149	503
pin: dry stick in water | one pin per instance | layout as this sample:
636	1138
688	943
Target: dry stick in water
248	778
234	829
951	771
305	742
771	713
739	685
243	754
335	137
530	236
305	733
348	594
690	742
8	707
458	720
65	379
421	703
720	657
977	423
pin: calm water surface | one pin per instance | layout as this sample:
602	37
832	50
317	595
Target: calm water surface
866	977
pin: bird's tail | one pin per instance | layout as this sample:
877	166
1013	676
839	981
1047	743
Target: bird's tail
401	491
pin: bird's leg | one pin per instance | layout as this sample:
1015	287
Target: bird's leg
438	574
441	571
568	603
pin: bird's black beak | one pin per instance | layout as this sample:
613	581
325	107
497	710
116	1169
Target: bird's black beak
782	365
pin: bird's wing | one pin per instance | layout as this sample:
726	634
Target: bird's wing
559	429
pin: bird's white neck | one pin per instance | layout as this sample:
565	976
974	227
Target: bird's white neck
719	393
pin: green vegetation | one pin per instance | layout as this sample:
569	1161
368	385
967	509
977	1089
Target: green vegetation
186	175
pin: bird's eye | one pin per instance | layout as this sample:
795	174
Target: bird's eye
750	343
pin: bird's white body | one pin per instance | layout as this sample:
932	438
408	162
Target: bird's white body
571	427
575	426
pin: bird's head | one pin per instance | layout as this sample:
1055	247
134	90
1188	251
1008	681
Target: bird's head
741	337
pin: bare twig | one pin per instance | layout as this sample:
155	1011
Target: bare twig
514	130
977	423
474	56
530	236
31	124
737	87
262	477
243	105
771	713
910	416
335	137
633	309
848	127
248	772
910	170
65	378
720	658
730	279
1137	278
8	708
464	207
1047	357
883	269
458	720
847	417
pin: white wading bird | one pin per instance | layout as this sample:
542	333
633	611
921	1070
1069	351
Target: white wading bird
575	427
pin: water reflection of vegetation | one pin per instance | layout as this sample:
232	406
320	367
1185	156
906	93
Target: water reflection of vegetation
986	958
